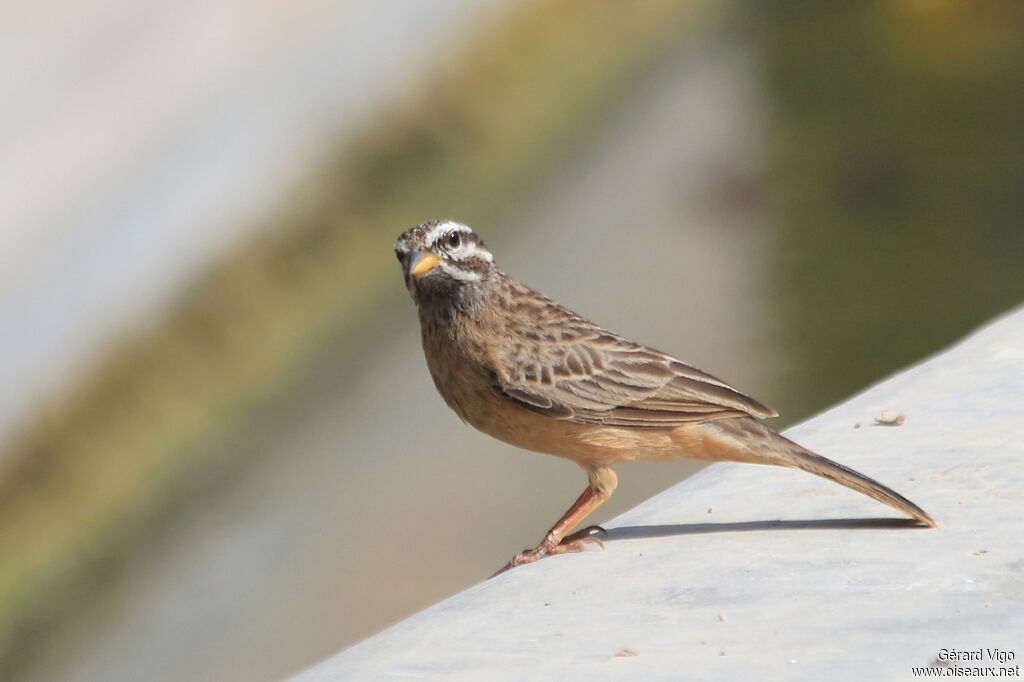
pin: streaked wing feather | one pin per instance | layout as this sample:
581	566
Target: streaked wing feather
592	376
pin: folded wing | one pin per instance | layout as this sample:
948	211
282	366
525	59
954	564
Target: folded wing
598	377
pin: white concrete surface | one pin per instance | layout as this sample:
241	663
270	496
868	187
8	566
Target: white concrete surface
748	572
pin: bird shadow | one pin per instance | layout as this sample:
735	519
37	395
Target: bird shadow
661	531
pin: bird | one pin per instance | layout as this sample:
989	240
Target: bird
522	368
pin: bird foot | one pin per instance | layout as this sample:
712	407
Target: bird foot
576	542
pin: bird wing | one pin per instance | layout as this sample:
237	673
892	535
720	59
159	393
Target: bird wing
593	376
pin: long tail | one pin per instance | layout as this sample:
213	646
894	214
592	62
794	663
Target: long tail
765	446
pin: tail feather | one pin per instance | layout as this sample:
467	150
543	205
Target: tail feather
834	471
776	449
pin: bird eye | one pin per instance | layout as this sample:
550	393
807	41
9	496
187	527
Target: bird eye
453	240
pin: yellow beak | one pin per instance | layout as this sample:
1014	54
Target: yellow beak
422	262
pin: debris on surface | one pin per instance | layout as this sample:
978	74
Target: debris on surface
888	418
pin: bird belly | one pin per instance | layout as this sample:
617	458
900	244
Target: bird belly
587	444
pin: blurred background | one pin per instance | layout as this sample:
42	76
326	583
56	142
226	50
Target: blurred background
221	455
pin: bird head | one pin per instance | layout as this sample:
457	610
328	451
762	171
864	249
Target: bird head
442	258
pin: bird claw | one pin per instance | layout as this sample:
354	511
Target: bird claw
581	537
576	542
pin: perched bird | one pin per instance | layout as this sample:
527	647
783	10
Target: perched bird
524	369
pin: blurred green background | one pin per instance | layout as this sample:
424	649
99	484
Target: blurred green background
253	471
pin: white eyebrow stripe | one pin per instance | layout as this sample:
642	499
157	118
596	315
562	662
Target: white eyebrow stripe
446	226
451	226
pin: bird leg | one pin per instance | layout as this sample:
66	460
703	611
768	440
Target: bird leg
556	542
